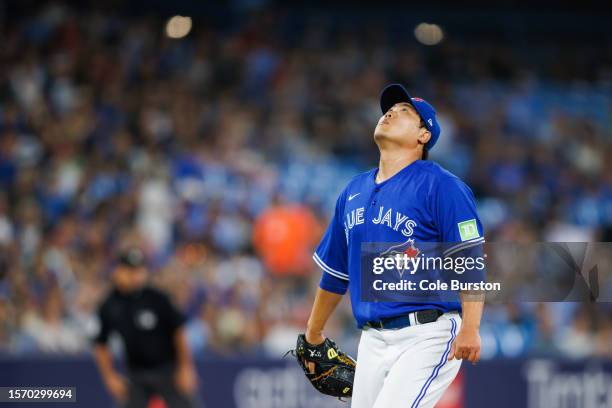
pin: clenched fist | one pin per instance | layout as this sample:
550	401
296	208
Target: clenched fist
466	345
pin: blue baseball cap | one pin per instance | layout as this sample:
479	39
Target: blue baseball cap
396	93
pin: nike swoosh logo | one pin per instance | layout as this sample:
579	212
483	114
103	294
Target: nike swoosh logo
353	196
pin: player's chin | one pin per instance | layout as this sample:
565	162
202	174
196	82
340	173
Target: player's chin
380	133
385	139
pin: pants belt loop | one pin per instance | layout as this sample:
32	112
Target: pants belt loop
412	318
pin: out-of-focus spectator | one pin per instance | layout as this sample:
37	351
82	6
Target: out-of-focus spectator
577	341
284	237
52	330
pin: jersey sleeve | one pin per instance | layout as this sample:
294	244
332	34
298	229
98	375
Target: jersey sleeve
104	327
461	231
171	314
458	222
331	254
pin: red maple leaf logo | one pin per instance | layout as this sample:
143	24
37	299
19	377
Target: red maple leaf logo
411	251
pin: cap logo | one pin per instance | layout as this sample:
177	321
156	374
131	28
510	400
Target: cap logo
418	99
430	122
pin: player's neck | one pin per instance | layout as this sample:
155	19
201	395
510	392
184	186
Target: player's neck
392	161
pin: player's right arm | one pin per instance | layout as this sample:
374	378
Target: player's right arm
115	383
331	257
324	304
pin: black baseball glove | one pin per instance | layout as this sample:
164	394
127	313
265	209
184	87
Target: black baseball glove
333	370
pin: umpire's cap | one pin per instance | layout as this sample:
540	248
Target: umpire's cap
132	257
396	93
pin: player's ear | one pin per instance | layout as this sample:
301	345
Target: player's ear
424	136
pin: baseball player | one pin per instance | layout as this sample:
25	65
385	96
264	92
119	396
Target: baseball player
409	352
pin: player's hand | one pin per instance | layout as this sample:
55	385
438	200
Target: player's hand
186	379
117	386
466	345
314	339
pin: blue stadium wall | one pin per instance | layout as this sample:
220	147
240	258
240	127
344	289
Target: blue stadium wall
249	383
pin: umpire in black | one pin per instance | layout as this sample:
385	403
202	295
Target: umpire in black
157	355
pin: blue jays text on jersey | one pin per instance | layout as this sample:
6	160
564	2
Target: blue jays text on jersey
422	203
392	219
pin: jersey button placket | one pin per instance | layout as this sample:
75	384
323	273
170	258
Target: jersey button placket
374	196
369	212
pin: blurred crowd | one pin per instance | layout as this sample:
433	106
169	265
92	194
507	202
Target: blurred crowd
220	151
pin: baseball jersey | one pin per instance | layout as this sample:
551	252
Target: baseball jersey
422	202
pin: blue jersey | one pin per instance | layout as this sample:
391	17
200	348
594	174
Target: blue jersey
422	202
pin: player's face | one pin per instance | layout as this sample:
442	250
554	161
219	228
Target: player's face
128	279
400	125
